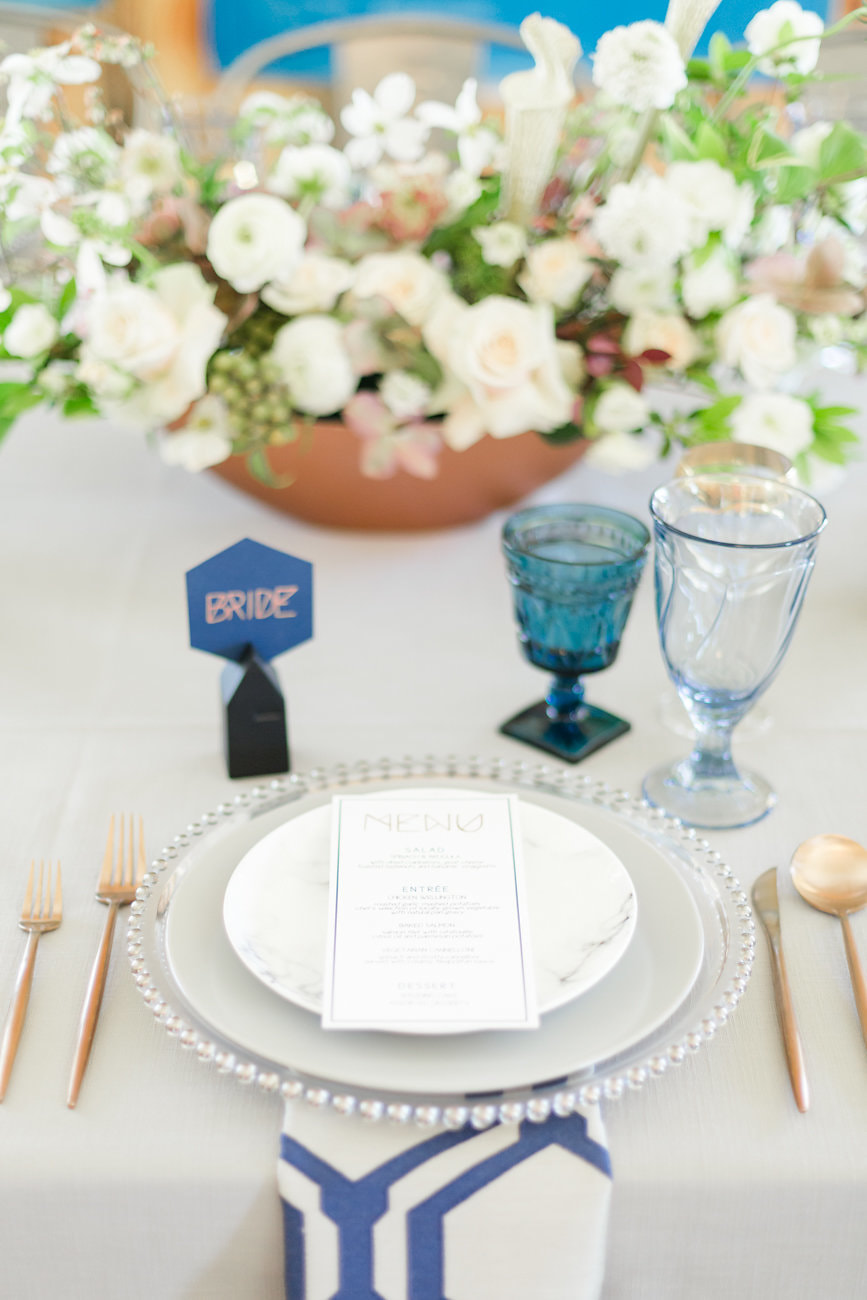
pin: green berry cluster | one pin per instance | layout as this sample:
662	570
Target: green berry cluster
259	404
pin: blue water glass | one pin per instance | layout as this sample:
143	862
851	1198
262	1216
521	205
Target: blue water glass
733	557
573	570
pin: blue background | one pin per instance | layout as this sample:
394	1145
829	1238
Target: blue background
232	26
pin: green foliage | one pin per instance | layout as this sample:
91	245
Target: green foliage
15	399
470	274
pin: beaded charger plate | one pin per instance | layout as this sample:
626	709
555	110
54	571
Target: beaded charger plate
651	1010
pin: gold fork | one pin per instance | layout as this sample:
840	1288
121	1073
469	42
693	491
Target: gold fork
119	879
41	912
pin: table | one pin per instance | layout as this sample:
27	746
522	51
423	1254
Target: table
162	1181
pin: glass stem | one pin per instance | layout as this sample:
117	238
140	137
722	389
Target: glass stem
711	757
564	699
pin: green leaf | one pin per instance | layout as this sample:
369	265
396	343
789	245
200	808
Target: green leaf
565	433
15	398
677	142
709	143
841	153
258	466
794	183
66	299
79	405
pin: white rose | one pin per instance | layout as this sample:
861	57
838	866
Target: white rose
709	286
667	331
406	280
621	453
774	420
253	239
314	285
785	21
149	164
634	287
758	337
405	395
709	192
204	440
162	336
643	222
313	171
505	353
556	272
619	409
31	331
314	363
502	243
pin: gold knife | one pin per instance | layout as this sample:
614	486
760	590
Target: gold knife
767	906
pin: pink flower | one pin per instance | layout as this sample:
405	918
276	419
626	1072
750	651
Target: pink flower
388	446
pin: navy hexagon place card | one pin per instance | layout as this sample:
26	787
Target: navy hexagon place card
248	604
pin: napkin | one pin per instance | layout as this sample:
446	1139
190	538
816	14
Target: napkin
375	1211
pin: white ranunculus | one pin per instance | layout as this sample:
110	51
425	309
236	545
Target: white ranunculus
405	395
502	243
204	440
162	336
643	223
785	21
710	285
31	331
556	272
774	420
405	279
150	164
622	453
632	288
313	285
505	354
667	331
254	239
313	362
709	193
619	409
758	338
314	171
639	66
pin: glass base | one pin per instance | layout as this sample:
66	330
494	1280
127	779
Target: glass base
723	803
675	718
570	741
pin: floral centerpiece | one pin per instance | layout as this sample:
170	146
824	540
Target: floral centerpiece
444	275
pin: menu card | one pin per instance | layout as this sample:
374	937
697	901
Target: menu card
428	929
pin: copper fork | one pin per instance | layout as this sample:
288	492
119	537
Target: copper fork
119	879
42	911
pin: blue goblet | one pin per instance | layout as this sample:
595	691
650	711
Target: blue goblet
573	570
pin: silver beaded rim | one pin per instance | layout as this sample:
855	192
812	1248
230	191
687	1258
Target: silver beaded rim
538	1105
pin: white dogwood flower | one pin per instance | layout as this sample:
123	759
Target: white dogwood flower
380	125
32	79
477	144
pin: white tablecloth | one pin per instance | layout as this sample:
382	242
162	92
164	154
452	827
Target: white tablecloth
162	1182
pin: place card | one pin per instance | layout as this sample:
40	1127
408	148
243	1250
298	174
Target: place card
427	929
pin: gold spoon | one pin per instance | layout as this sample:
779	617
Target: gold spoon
830	873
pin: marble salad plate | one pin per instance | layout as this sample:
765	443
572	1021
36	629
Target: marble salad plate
581	902
677	983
